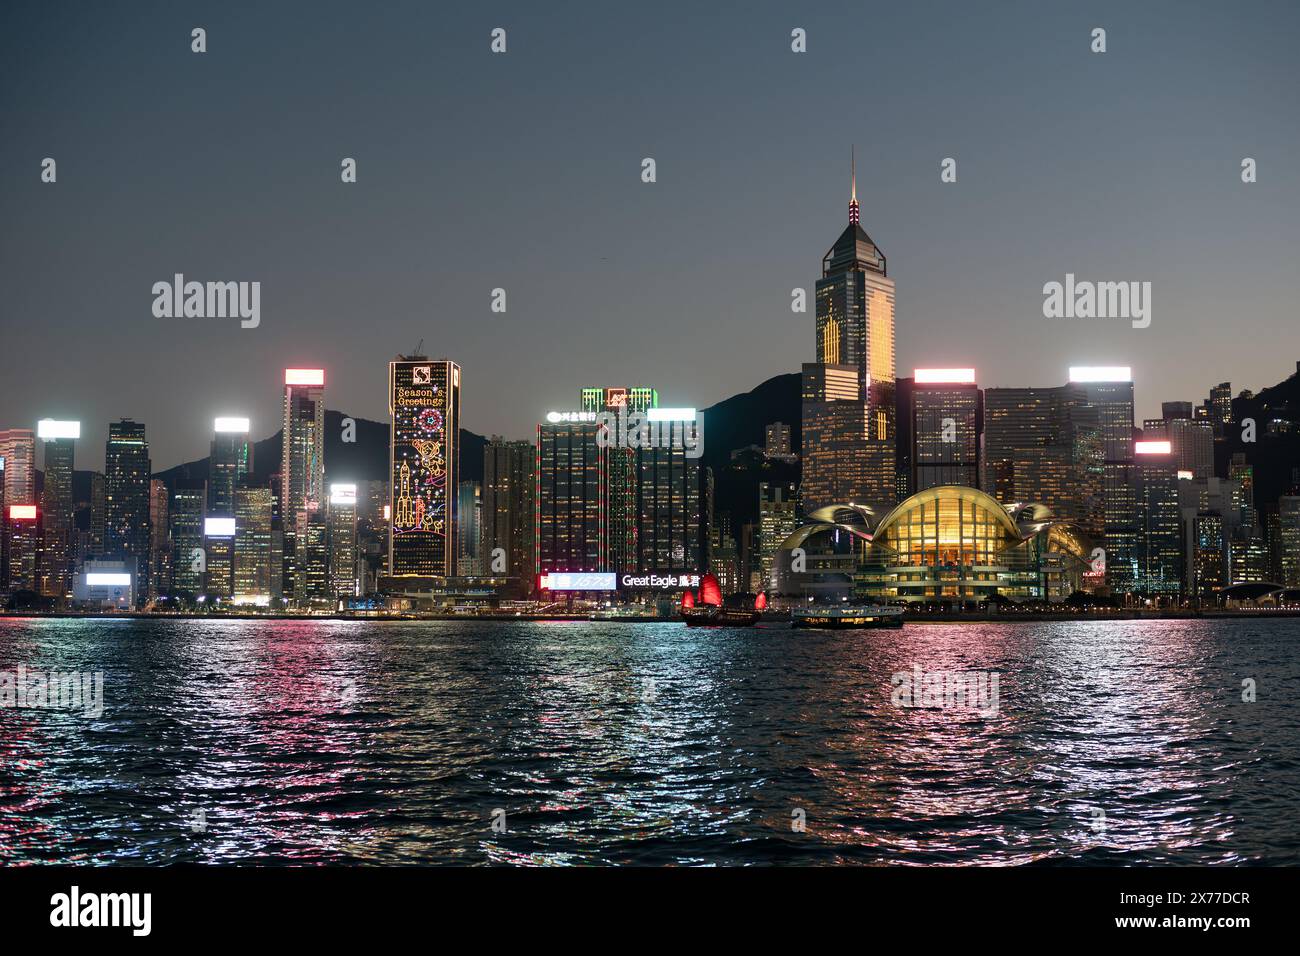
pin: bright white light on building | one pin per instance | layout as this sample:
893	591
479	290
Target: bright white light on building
944	376
48	428
96	579
1101	373
304	376
237	425
1152	447
579	581
22	512
258	600
343	494
1185	475
557	417
670	414
219	527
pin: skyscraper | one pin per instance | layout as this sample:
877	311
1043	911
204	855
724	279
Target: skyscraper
777	520
507	521
1109	390
185	517
571	531
231	460
24	540
251	559
855	329
59	440
1160	541
343	541
18	449
302	466
835	433
126	500
160	541
424	466
469	513
946	414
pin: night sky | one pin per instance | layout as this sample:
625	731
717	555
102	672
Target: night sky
522	171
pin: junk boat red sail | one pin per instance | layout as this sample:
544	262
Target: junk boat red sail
707	609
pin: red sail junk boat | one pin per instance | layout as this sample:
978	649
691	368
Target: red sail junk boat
709	610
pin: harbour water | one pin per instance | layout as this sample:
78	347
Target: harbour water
352	742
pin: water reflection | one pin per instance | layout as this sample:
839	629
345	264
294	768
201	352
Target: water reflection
362	742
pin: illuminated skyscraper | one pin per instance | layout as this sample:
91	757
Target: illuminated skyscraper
343	541
55	564
508	512
1160	540
424	465
855	329
230	462
219	546
469	514
945	418
302	465
777	520
18	449
160	540
126	500
251	559
572	495
1109	390
24	540
185	517
835	432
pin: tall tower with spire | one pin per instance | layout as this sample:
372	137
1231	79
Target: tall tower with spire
849	410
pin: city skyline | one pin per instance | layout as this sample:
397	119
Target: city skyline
631	270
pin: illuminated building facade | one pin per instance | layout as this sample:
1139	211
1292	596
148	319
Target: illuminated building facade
424	450
302	464
946	545
945	418
835	436
18	449
219	546
59	440
1109	390
777	520
1288	541
160	542
855	330
507	517
571	491
185	517
127	474
230	463
24	542
343	541
1160	545
469	514
251	555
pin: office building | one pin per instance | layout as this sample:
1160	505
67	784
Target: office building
231	460
469	514
945	421
506	529
344	581
59	440
127	474
424	466
185	520
251	553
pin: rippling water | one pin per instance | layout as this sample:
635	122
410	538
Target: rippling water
372	742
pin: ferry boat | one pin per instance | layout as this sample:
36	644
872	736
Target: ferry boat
709	610
847	616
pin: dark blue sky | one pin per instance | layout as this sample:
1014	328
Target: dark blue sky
522	171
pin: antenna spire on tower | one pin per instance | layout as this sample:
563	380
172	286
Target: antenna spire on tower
853	178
